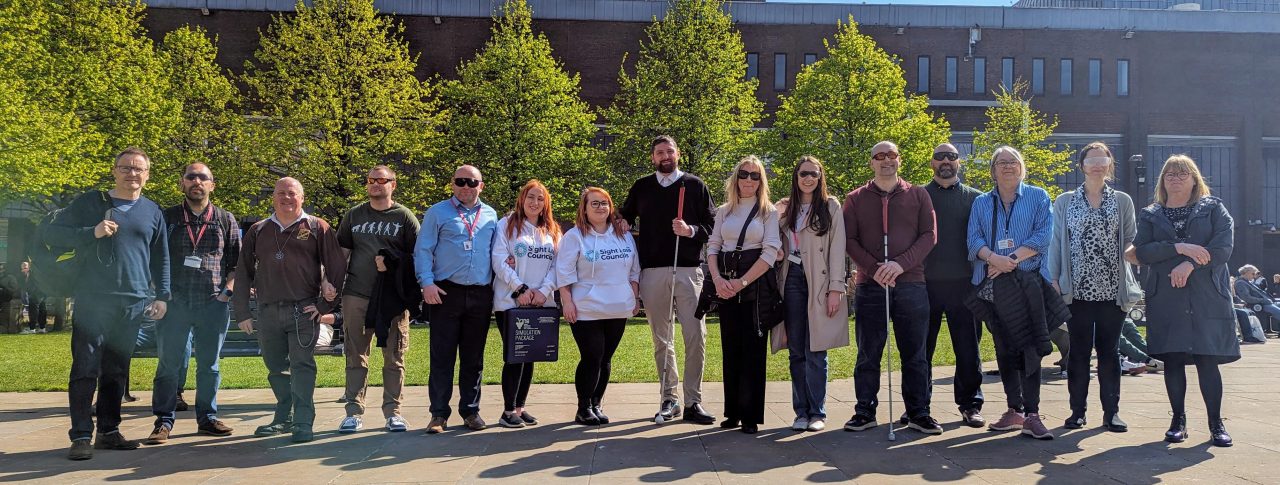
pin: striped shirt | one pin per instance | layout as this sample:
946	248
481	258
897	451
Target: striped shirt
1029	224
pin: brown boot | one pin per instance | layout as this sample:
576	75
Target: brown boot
158	436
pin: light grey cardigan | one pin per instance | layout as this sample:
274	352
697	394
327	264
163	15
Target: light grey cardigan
1129	292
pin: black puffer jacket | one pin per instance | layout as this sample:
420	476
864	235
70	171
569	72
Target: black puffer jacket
1027	308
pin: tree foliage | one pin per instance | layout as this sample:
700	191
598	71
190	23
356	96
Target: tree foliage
1015	123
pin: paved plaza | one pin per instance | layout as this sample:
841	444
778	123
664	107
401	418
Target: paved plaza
33	442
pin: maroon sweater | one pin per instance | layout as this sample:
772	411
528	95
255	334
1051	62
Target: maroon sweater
911	229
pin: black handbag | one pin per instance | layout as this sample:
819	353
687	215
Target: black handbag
708	300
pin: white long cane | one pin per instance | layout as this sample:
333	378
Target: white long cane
888	356
662	377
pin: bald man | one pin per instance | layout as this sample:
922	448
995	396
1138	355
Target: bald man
451	258
293	263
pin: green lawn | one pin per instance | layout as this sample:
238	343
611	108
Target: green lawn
43	362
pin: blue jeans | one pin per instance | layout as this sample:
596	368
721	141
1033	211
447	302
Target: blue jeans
204	324
102	340
909	308
808	369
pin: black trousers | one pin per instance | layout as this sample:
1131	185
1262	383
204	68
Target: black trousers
1021	385
1094	324
597	341
516	378
459	329
102	342
743	365
947	298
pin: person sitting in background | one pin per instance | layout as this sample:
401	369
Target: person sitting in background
1254	297
1133	347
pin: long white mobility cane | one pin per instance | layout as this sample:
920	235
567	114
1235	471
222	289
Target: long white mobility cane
662	378
888	356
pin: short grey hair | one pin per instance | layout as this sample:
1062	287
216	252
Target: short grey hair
1248	268
1017	155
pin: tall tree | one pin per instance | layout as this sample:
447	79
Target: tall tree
844	104
1015	123
516	114
690	82
337	95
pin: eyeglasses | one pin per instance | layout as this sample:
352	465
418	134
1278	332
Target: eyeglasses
1007	162
1096	161
381	181
131	170
883	155
743	175
952	156
466	182
599	204
1177	175
810	173
197	176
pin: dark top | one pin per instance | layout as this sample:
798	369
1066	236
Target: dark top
365	231
285	265
911	229
949	259
656	207
218	248
127	264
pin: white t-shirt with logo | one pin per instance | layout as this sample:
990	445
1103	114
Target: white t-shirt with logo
599	268
534	253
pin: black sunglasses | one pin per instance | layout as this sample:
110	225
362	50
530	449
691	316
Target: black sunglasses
883	155
810	173
952	156
466	182
380	180
743	175
198	176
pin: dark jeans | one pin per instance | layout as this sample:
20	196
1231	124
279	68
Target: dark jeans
745	351
102	342
287	337
947	297
459	329
909	308
597	341
808	368
516	378
1021	385
204	324
37	315
1094	324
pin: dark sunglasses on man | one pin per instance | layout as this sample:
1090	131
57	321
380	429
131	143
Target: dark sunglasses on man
743	175
466	182
380	180
952	156
197	176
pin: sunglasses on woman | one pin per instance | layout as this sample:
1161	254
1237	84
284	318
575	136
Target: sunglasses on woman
743	175
810	173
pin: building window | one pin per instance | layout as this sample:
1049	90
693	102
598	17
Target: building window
753	65
1122	77
1065	78
1006	73
1095	77
1037	76
810	59
922	74
980	75
951	74
780	72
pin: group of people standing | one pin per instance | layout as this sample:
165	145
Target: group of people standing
1010	257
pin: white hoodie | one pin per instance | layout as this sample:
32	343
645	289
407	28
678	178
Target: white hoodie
534	253
600	269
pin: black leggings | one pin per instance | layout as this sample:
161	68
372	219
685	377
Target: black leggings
597	341
516	378
1175	382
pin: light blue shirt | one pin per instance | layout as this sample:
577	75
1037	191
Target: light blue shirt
441	252
1029	224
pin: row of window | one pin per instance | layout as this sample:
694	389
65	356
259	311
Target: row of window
1065	71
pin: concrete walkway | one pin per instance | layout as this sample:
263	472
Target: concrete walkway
632	449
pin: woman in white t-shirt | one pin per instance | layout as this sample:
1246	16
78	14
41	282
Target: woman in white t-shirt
598	272
523	258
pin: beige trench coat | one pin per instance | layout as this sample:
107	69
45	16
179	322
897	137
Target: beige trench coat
824	262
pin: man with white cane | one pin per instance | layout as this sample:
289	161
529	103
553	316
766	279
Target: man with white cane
676	216
889	224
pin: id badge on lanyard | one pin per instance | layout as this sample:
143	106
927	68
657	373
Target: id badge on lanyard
469	244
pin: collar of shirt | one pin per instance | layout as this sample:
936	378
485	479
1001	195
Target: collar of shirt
301	217
953	185
458	205
666	180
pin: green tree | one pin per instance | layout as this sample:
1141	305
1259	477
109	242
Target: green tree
516	115
1015	123
843	105
336	93
690	82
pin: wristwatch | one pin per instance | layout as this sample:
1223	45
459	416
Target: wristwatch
227	292
1013	257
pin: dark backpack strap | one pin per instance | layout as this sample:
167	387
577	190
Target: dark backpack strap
743	235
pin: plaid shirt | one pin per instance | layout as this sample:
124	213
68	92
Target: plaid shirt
218	249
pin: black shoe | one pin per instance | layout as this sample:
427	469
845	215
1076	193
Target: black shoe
860	423
528	418
1114	424
114	441
904	419
1219	433
1076	421
80	450
925	424
586	418
129	398
510	420
753	428
695	414
182	404
302	433
973	418
730	423
669	410
1177	429
600	415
